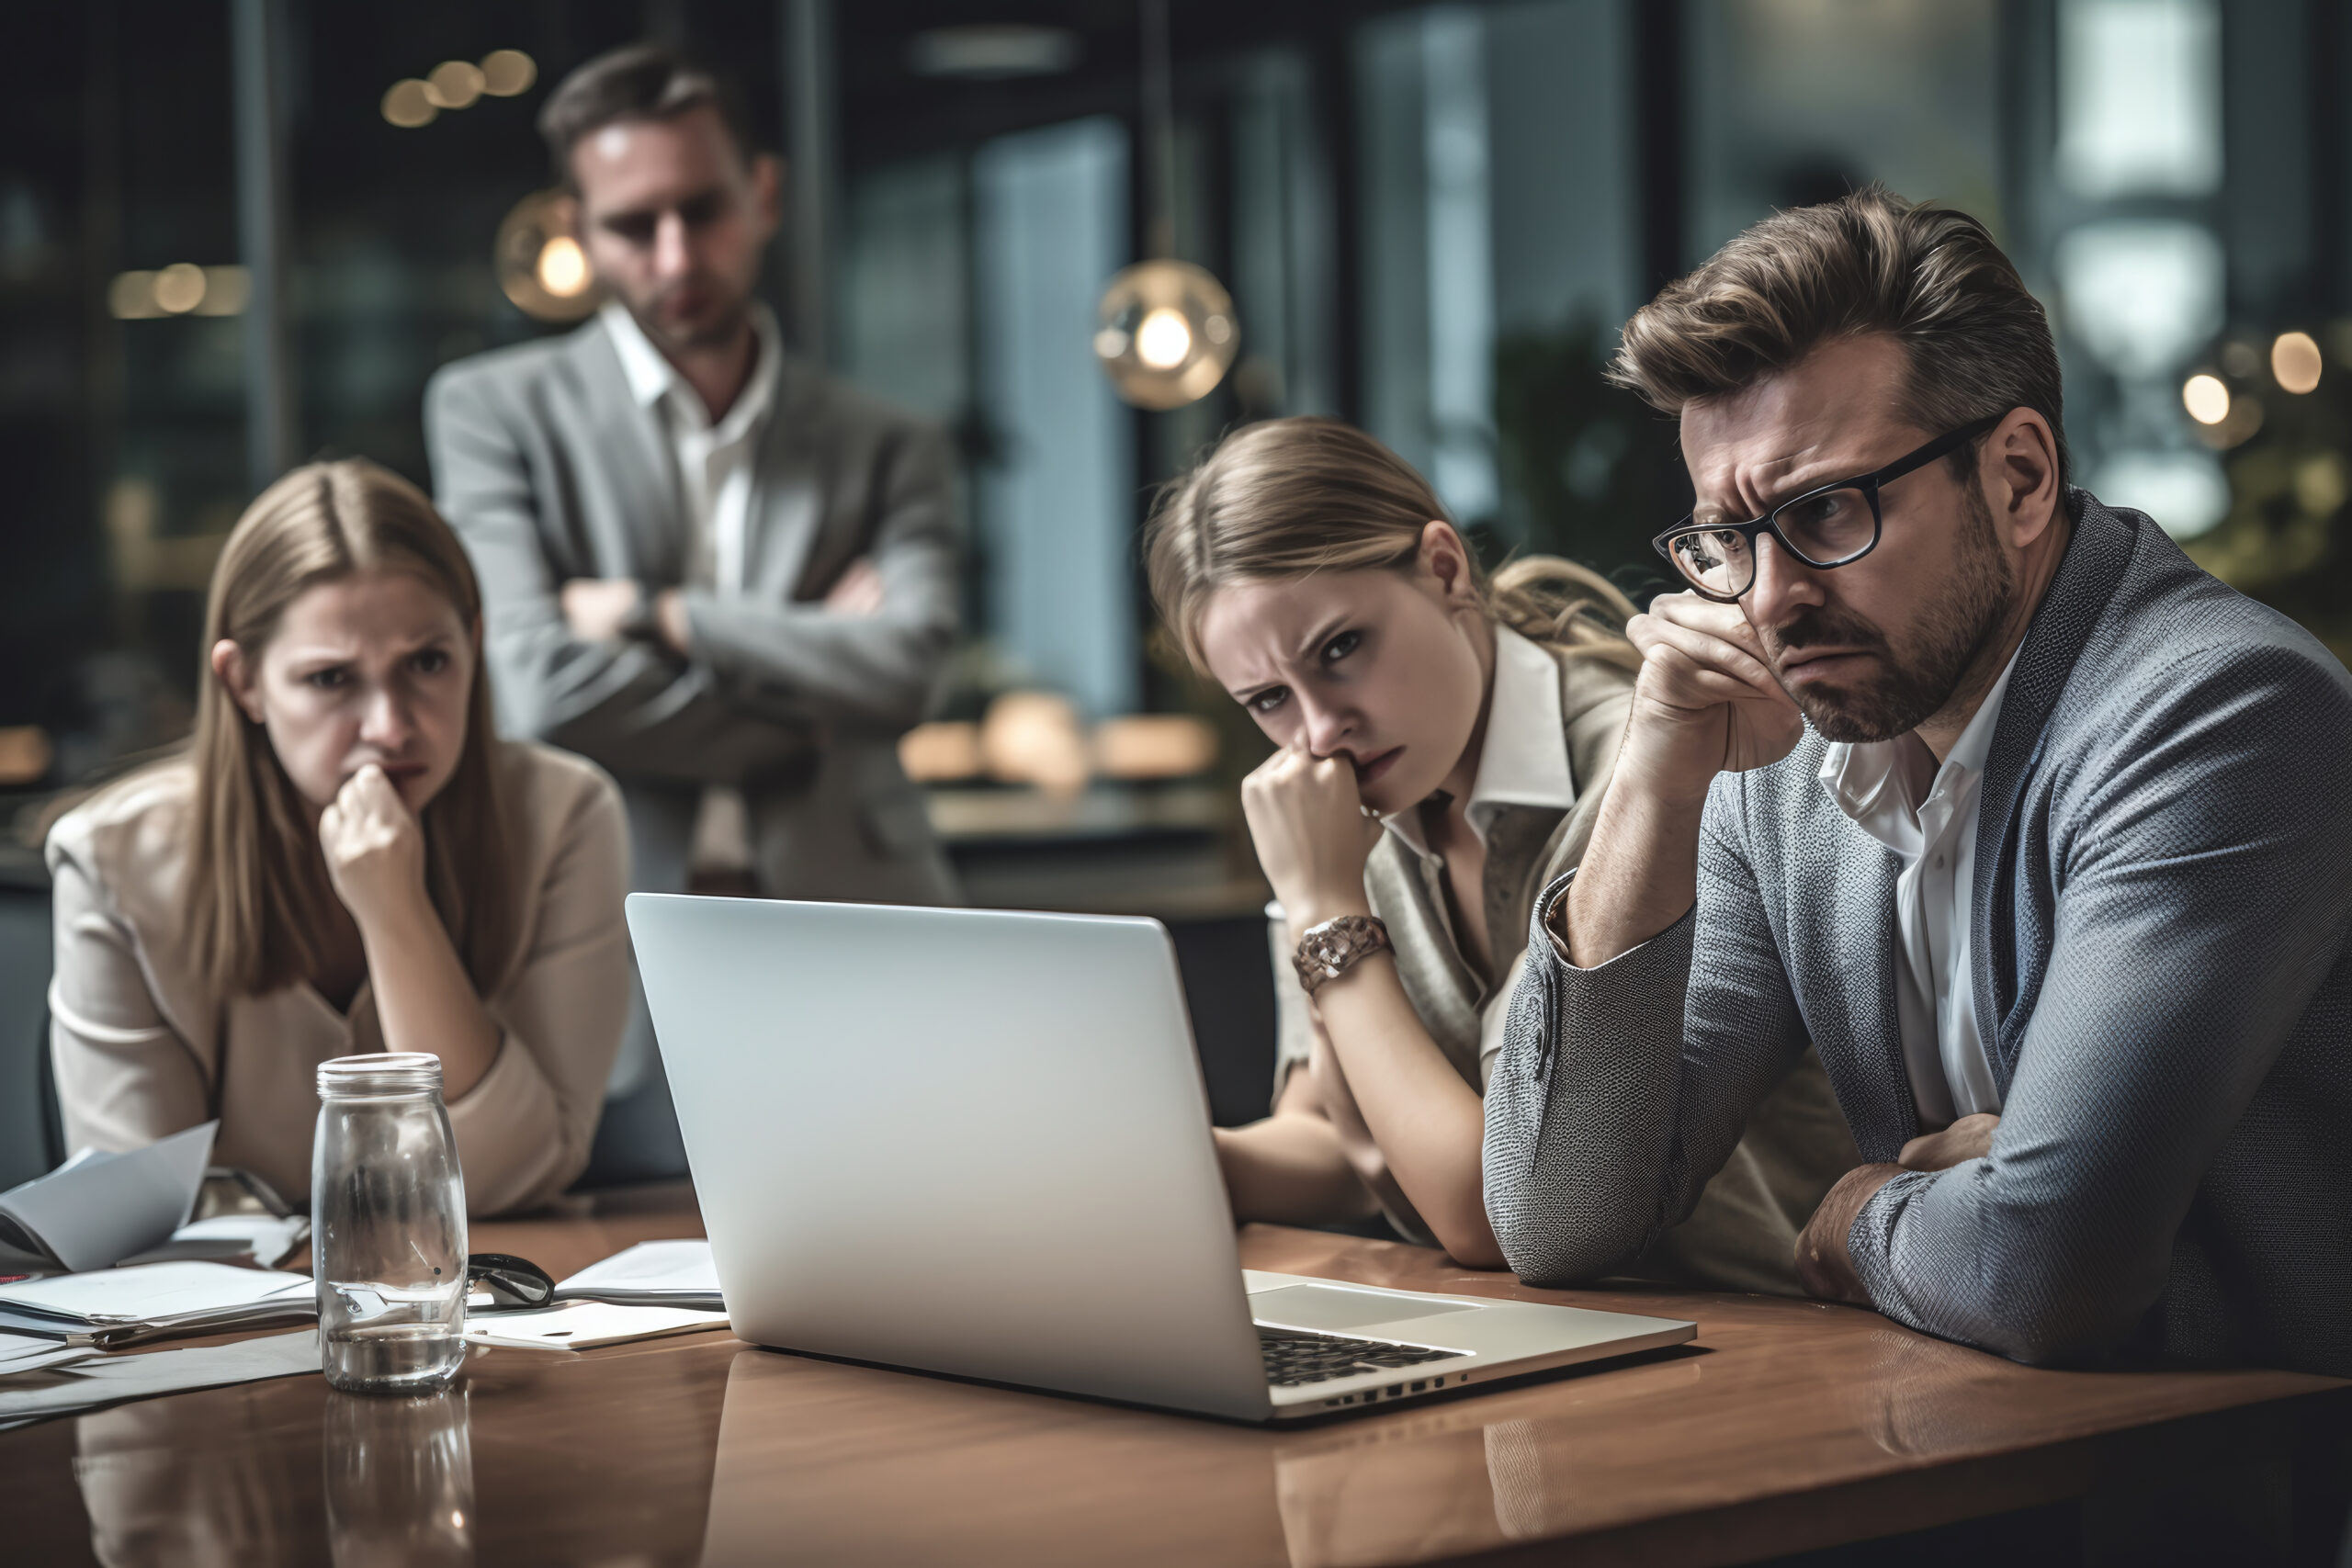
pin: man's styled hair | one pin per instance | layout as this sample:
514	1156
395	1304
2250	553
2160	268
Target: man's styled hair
640	81
1931	278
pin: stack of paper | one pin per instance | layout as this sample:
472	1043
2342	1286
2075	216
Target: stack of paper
97	1381
30	1353
97	1209
113	1307
652	1274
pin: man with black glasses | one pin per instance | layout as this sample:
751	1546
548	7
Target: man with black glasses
2043	836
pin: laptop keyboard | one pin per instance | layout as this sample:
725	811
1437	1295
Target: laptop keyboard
1293	1358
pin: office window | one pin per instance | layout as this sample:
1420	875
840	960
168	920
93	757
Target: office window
1498	247
906	327
1057	497
1792	104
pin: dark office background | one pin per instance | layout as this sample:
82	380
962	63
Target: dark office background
227	243
1432	220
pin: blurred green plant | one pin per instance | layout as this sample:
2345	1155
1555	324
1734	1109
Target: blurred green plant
1591	471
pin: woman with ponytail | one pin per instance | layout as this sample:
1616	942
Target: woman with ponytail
345	859
1446	737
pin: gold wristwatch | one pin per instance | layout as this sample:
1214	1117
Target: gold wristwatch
1329	950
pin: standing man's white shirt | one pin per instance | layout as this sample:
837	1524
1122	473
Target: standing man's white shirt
1930	824
715	461
715	465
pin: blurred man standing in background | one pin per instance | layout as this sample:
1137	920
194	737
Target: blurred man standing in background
726	578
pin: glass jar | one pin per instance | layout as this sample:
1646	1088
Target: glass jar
387	1226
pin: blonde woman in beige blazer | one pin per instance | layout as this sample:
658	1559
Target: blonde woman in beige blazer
1447	738
345	860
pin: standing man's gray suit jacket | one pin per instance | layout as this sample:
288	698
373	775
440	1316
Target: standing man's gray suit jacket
2163	886
549	470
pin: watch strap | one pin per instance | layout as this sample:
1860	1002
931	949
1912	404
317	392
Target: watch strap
1329	950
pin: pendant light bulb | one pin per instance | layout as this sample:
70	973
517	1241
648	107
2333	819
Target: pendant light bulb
1165	334
1163	341
539	264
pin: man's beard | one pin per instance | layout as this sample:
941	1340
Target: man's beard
1961	616
716	331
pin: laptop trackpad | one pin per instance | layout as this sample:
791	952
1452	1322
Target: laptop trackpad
1320	1306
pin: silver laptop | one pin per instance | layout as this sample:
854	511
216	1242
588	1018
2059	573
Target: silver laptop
977	1143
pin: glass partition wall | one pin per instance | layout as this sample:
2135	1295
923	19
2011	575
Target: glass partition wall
1432	220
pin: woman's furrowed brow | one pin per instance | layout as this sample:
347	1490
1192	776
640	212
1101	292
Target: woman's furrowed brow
1326	630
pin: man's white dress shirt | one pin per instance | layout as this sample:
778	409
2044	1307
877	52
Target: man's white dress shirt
715	461
715	466
1927	814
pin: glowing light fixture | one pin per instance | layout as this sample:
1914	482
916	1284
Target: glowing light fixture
2294	360
563	267
458	83
179	288
508	72
1163	341
2206	399
226	289
539	264
1165	333
408	103
454	84
993	52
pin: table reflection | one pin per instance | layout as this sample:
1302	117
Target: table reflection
1922	1398
399	1479
1461	1476
200	1482
822	1463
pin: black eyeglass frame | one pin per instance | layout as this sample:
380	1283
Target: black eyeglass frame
1942	446
515	1284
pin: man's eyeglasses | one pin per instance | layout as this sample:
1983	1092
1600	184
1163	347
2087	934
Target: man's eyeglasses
1829	527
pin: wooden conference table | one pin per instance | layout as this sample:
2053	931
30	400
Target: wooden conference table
1792	1425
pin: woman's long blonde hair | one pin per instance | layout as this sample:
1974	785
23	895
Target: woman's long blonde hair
1287	497
258	899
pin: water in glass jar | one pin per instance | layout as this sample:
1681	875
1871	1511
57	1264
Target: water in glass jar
391	1338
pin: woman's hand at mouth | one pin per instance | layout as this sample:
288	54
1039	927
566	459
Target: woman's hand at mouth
374	848
1307	821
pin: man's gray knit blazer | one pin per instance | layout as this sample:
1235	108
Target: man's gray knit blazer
2158	931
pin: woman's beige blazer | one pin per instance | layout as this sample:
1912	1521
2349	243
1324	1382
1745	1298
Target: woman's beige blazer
144	1045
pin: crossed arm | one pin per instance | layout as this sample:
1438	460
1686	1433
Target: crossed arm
725	689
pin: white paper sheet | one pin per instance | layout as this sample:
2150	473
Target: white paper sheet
581	1325
24	1353
97	1209
651	1273
152	1292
